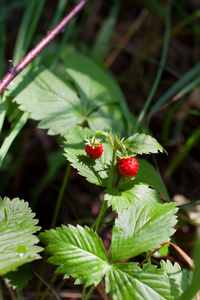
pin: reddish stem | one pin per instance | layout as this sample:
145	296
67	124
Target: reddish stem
13	72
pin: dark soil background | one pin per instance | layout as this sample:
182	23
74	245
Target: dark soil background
27	162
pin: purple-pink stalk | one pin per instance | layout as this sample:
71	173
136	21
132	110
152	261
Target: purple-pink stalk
14	71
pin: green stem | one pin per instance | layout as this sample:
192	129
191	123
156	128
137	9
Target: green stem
104	204
58	203
84	290
101	213
60	196
148	259
112	168
90	291
49	287
19	295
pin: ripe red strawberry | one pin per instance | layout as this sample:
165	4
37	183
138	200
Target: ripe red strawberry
94	148
128	166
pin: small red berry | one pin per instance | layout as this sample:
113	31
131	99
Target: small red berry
94	152
128	166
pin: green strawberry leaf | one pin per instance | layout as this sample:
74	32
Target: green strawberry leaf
95	86
140	143
146	175
48	99
128	281
140	228
193	288
182	277
78	252
121	199
16	235
20	278
95	171
107	117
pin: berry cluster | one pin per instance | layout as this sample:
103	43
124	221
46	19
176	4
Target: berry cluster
127	166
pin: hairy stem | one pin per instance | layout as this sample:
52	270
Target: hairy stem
104	204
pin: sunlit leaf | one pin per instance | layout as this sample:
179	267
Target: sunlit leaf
128	281
182	277
78	252
140	228
121	199
17	225
140	143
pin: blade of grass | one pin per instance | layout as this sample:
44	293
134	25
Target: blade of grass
193	112
153	5
103	39
59	12
62	44
15	5
55	160
193	139
56	19
2	56
47	285
174	30
60	196
41	46
2	110
22	34
160	70
143	56
32	27
167	122
2	35
19	123
133	28
181	84
53	223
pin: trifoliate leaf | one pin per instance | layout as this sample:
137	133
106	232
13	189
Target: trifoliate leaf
147	175
95	171
78	252
140	228
142	143
20	278
121	199
128	281
16	235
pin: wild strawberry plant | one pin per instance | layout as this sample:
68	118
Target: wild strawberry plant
90	107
